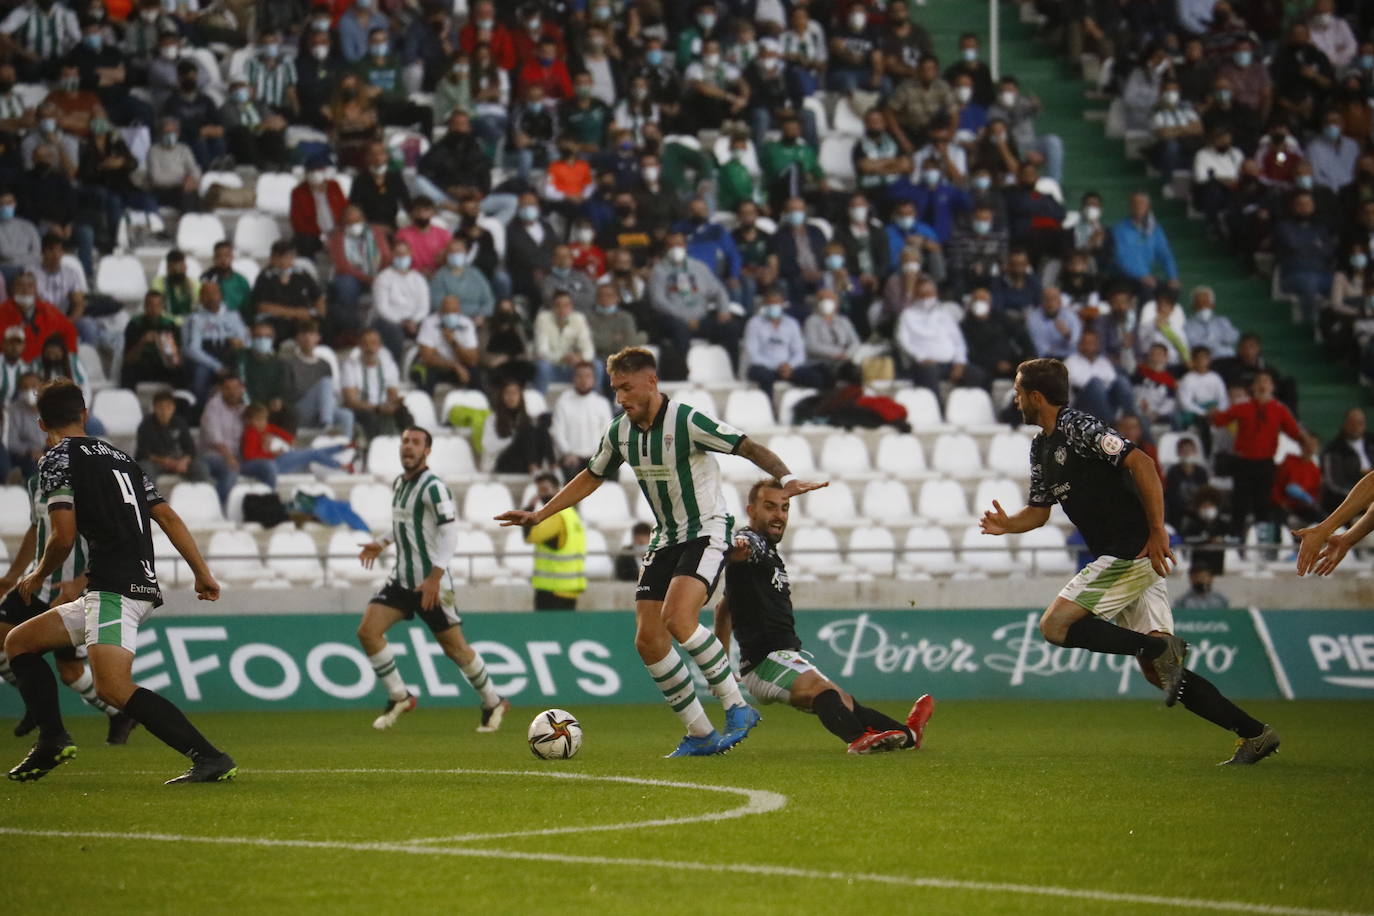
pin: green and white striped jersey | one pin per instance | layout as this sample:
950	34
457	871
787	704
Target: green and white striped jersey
676	473
73	566
419	505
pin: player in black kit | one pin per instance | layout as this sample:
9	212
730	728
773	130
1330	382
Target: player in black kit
1111	492
96	491
757	606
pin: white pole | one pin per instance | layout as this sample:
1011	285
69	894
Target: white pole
995	39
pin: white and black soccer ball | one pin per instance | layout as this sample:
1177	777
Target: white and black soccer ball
555	734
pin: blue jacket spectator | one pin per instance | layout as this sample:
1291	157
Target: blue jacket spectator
1305	247
942	204
1141	245
710	243
904	225
1018	288
1053	328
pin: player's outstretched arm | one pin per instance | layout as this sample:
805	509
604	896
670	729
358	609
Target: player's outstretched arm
207	589
1146	477
997	521
22	558
773	466
573	492
61	539
1315	540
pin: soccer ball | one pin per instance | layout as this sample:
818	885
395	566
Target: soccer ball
555	735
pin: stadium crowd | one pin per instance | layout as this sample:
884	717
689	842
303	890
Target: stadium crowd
496	196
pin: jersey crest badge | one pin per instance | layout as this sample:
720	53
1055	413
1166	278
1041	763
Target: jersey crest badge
1061	455
667	442
1112	444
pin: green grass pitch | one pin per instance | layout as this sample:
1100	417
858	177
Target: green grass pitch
1008	802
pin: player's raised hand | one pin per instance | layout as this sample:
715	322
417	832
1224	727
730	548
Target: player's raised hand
1314	545
798	487
1160	554
207	589
369	554
995	520
515	518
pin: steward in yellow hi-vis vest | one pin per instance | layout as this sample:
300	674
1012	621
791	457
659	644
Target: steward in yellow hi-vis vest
560	554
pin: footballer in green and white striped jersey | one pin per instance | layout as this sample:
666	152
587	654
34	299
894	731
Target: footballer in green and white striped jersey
419	505
676	473
75	563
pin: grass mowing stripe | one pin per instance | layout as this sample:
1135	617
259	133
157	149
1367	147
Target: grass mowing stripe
778	871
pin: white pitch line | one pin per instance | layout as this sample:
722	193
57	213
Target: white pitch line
778	871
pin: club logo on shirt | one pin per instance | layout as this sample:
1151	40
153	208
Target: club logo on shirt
668	442
1111	443
1061	454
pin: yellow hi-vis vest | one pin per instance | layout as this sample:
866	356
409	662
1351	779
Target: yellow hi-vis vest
563	569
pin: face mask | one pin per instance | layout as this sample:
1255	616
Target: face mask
982	226
711	60
319	52
980	308
827	306
48	125
982	182
931	177
1007	99
969	54
583	92
1092	213
911	267
356	229
379	170
1367	61
834	261
677	254
1204	314
31	397
585	236
533	24
653	57
651	174
99	126
271	51
315	177
1207	513
857	21
601	13
1358	261
1243	58
94	41
772	312
929	302
378	49
529	213
1169	98
24	301
1332	132
169	140
1224	96
1323	19
457	260
906	222
1304	181
401	262
484	25
1187	460
858	214
795	217
707	21
963	94
149	15
362	4
241	95
320	25
262	345
7	211
169	53
451	320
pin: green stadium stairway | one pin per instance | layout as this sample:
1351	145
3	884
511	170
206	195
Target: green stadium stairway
1094	162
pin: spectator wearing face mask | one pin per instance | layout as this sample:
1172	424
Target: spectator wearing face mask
20	246
774	348
1205	328
356	27
587	256
255	132
1176	129
457	277
359	252
690	301
39	320
172	173
1206	529
1019	110
317	206
25	441
932	344
1200	595
213	338
830	337
484	28
400	300
309	386
448	348
1351	289
976	251
1332	154
612	327
997	341
381	192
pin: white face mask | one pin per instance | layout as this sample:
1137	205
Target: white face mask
858	214
585	236
711	60
169	53
24	301
316	177
1207	513
857	21
651	174
1170	98
1007	99
981	308
356	229
1092	214
320	52
911	267
827	306
31	397
677	254
928	302
963	94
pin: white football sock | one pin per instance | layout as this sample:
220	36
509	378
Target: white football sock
85	685
384	663
714	661
674	679
476	673
5	673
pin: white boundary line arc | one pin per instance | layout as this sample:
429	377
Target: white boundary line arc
779	871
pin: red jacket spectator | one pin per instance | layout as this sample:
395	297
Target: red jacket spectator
554	78
1257	427
588	258
1300	470
426	245
255	441
47	321
527	45
303	219
502	45
344	266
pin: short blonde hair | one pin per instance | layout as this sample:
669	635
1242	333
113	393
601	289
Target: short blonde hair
631	359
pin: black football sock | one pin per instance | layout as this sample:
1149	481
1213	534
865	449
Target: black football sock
1097	635
38	687
168	724
1202	698
882	722
837	717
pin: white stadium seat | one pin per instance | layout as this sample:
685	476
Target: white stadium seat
956	455
223	179
475	556
886	501
170	567
464	397
1168	446
254	235
902	456
121	276
274	192
832	505
929	550
922	409
118	409
341	558
248	269
1007	492
790	397
709	364
536	404
233	555
94	367
483	502
1038	553
847	120
749	409
293	555
372	501
193	266
233	509
844	454
942	501
1009	454
985	553
197	234
817	551
873	550
837	159
598	564
795	452
198	505
384	457
14	510
606	507
421	408
451	458
698	398
971	408
517	557
737	469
